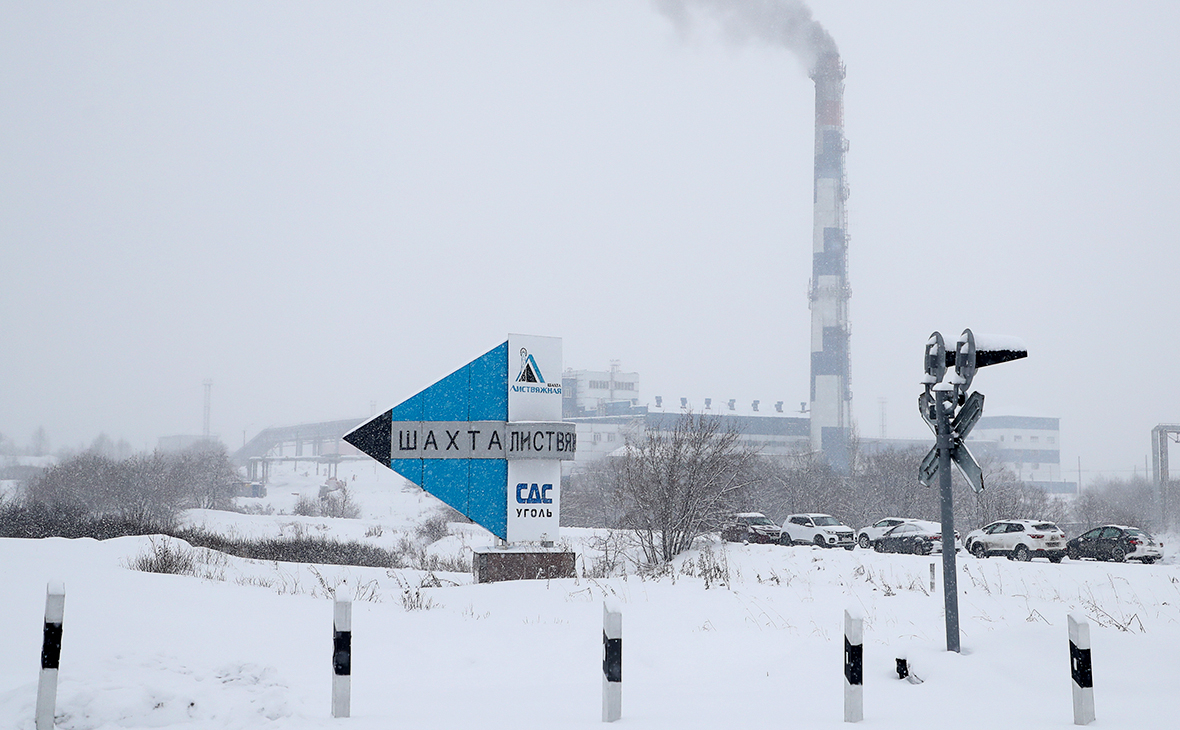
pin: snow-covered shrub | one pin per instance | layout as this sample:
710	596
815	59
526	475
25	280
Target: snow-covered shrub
339	503
306	507
435	528
166	557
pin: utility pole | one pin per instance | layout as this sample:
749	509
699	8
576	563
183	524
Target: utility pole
950	576
208	394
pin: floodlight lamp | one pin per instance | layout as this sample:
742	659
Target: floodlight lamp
935	360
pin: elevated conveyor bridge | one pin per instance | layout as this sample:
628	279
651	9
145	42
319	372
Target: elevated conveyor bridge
319	442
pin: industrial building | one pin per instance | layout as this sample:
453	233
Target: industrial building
598	392
770	435
1029	446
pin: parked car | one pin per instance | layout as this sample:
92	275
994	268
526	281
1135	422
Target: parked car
1018	540
817	529
868	535
1117	543
750	527
915	537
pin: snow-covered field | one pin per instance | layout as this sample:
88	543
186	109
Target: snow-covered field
248	644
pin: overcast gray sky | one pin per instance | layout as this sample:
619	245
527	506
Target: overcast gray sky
322	205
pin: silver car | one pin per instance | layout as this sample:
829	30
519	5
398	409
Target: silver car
868	536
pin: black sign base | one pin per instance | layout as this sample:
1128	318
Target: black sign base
492	565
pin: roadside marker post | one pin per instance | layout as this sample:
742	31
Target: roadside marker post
906	671
55	605
1080	668
341	654
853	666
612	662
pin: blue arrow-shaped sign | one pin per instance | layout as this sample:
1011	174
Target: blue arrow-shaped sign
455	439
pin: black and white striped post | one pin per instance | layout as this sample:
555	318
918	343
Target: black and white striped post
55	607
1083	674
341	653
853	666
612	662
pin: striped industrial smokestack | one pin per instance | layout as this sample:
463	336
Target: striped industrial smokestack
831	394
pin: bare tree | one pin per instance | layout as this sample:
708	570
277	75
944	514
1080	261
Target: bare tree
588	496
40	442
146	488
804	483
1123	502
204	475
674	486
103	446
1004	496
885	484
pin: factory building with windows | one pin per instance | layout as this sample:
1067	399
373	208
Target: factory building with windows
605	406
1030	446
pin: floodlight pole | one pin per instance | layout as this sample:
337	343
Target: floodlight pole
944	398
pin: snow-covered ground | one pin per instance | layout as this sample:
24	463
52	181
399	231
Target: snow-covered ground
247	644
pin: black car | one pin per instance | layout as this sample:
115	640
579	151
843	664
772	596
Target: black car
915	538
1116	543
750	527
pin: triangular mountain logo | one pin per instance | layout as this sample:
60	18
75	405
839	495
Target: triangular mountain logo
529	372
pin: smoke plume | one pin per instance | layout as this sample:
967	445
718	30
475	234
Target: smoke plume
784	23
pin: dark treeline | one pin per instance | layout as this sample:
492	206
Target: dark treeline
145	488
882	484
39	444
1133	502
27	519
97	496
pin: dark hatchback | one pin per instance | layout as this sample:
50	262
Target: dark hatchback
1116	543
914	538
751	527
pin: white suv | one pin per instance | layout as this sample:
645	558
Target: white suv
817	529
1018	540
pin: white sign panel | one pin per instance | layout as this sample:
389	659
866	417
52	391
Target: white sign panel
482	440
534	378
534	500
534	394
